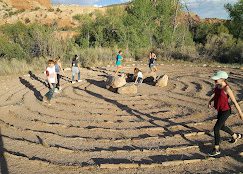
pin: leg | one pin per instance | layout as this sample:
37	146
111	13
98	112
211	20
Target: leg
220	125
117	70
52	91
58	81
73	75
227	130
78	75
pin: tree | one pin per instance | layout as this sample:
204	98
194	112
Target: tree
236	15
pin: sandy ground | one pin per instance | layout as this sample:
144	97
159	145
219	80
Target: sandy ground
88	127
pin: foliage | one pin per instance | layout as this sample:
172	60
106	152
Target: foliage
235	12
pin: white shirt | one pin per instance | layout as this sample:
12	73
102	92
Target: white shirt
140	74
51	74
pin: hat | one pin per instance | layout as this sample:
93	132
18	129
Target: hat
220	75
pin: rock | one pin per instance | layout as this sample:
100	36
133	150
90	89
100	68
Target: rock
241	68
163	81
128	89
115	82
67	69
148	75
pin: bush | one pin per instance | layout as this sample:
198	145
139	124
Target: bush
223	48
96	56
11	50
35	40
77	17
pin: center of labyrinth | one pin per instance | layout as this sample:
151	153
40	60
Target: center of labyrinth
90	126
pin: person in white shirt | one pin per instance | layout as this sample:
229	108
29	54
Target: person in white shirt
52	80
139	76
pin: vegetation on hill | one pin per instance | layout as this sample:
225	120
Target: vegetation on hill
137	28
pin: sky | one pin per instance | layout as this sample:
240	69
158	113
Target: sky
204	8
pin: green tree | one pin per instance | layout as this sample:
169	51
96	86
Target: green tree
236	15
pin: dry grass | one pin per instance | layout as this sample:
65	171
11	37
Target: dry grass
15	66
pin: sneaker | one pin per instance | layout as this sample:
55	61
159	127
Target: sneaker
214	153
56	90
232	140
73	82
45	100
80	80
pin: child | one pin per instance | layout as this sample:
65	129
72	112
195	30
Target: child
119	58
75	68
222	93
138	75
58	68
52	79
152	59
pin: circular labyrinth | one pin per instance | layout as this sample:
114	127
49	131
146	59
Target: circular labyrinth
89	127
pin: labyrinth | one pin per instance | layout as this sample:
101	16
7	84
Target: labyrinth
89	129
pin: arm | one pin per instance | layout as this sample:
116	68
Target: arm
210	102
60	65
232	97
136	81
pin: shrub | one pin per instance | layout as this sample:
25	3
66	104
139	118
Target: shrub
11	50
77	17
96	56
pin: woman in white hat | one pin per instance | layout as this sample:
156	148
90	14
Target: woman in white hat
222	93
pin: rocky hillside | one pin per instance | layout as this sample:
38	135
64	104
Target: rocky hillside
28	4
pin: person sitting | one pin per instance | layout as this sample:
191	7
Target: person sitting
138	75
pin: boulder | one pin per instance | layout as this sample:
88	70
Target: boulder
128	89
115	82
149	75
163	81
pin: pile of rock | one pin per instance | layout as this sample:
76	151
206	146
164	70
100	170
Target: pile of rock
120	85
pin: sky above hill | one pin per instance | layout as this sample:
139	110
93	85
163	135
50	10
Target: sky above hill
204	8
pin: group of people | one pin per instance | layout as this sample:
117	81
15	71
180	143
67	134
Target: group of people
222	92
53	74
138	74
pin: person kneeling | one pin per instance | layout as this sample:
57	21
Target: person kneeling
139	76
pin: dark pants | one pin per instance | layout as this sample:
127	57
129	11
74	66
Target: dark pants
220	125
58	81
50	93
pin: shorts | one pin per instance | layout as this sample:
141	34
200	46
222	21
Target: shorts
75	70
118	63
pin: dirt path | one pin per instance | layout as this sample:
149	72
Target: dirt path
89	129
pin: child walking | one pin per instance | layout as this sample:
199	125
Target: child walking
138	75
52	80
59	69
76	68
222	93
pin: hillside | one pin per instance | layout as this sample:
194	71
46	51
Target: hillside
42	12
28	4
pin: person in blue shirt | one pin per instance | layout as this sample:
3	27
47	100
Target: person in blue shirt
119	59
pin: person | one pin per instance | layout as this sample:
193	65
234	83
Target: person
59	69
119	58
152	59
75	68
222	93
138	75
52	80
